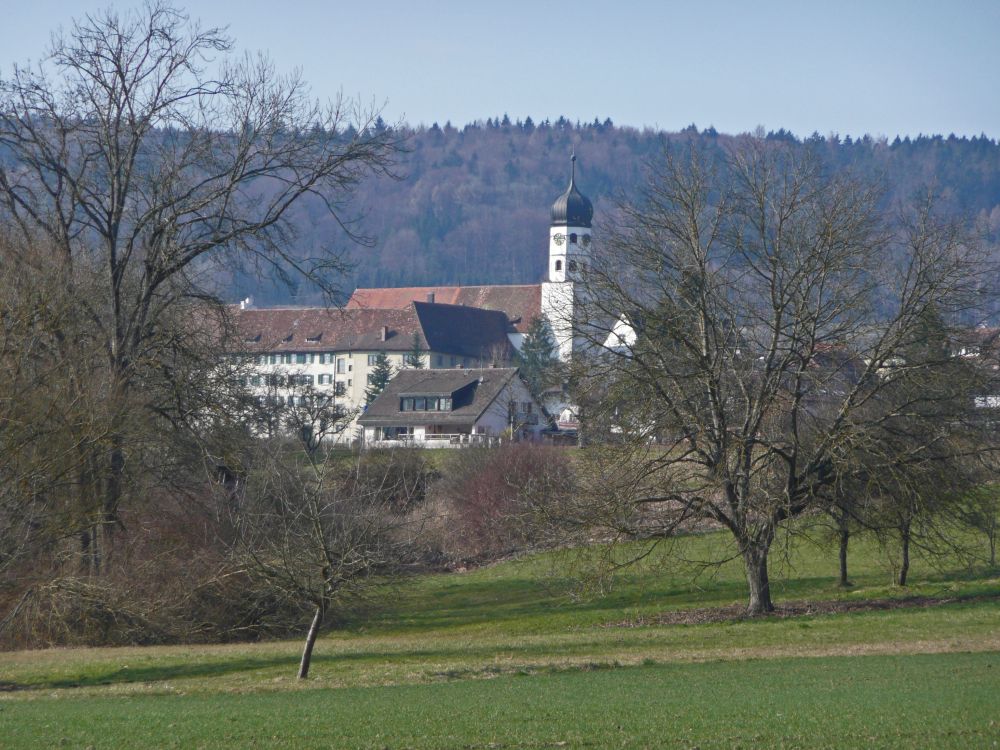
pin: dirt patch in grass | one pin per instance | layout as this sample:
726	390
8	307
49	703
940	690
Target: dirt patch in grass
737	612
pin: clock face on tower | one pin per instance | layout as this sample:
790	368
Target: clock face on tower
559	238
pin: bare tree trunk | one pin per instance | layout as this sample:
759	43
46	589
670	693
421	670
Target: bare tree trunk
844	532
85	556
755	560
904	567
845	537
113	491
991	534
317	622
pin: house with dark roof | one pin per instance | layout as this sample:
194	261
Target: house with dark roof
453	407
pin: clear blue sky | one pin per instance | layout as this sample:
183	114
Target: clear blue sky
879	67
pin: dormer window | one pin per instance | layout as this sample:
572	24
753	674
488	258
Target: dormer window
425	403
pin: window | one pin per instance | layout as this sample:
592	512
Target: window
262	359
341	365
286	358
372	359
339	389
325	379
572	239
255	380
572	265
300	358
526	407
349	382
424	403
328	358
273	359
558	265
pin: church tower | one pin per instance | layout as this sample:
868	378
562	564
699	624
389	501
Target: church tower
569	253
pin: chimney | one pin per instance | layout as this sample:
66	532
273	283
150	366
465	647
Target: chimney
385	333
430	297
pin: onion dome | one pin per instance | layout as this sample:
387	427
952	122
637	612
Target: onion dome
572	208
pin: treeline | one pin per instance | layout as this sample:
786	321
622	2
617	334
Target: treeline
471	205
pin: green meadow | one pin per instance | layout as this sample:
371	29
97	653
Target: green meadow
519	655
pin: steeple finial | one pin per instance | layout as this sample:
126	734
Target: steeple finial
572	208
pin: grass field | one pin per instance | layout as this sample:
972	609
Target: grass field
511	656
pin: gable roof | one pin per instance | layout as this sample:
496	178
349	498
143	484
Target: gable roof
449	329
487	385
277	329
521	302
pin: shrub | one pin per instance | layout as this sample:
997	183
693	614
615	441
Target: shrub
496	500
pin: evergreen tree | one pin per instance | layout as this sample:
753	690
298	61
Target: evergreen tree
379	377
415	357
537	358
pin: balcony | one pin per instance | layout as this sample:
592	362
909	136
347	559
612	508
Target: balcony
439	440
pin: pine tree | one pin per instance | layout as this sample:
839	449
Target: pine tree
538	361
415	357
379	377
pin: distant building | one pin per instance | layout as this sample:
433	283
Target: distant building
570	238
450	408
521	303
298	352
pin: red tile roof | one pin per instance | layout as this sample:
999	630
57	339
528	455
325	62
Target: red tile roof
521	302
448	329
277	329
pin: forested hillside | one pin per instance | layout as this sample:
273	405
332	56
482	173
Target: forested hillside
471	205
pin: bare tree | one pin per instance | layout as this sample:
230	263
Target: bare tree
146	158
773	308
320	528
